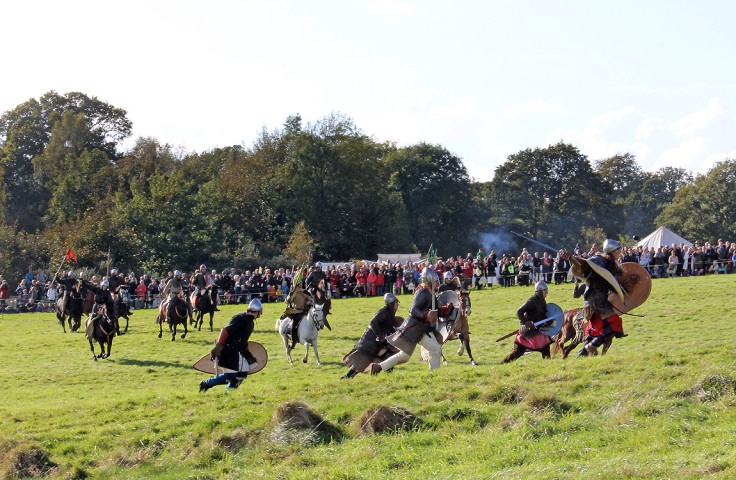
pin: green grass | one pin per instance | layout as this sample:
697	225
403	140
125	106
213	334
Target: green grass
659	405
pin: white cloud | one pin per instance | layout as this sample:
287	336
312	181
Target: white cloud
534	107
701	120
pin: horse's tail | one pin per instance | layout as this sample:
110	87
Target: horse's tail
555	344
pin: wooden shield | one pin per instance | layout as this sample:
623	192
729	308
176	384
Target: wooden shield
206	365
636	284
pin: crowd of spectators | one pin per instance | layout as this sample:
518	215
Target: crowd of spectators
37	293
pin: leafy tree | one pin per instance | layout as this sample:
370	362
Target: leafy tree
704	209
435	188
548	193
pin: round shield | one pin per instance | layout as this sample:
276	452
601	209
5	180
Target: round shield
449	296
554	319
206	365
636	284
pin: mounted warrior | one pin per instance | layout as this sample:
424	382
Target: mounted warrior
600	273
69	284
418	326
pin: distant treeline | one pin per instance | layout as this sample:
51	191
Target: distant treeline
324	187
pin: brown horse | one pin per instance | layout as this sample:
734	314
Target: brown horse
179	315
573	329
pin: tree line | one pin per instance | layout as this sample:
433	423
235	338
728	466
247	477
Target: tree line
324	187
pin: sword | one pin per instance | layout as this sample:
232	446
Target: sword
536	324
538	243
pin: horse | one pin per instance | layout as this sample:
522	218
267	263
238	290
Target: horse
121	310
180	314
62	313
309	328
103	331
572	332
204	305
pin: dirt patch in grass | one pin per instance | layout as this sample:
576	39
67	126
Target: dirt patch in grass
710	388
295	422
384	419
24	461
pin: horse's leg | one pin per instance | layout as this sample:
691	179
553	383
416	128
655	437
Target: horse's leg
92	347
286	346
160	326
316	353
607	345
465	339
461	350
62	321
212	314
109	346
173	326
102	349
127	321
183	335
306	353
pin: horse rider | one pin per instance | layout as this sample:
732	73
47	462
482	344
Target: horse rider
531	312
70	285
186	287
314	283
103	298
599	273
418	326
317	286
172	289
373	340
200	284
82	285
298	303
231	349
450	283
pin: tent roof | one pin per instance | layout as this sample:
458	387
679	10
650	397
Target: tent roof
399	257
661	237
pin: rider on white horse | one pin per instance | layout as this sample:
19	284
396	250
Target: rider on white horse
231	349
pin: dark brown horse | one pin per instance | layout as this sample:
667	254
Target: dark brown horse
573	329
101	330
179	314
205	305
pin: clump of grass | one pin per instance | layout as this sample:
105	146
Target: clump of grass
24	461
547	402
239	439
384	419
711	388
506	394
297	423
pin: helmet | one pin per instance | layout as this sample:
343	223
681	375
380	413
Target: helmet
114	271
447	276
610	246
255	306
389	298
429	276
214	271
104	285
82	274
318	264
540	286
203	267
71	274
177	273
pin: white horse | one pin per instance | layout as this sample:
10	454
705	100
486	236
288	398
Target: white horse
309	328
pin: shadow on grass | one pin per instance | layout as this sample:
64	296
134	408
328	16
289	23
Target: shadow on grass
150	363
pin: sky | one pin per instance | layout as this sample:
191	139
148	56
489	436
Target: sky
484	79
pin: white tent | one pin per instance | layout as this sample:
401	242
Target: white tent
661	237
399	257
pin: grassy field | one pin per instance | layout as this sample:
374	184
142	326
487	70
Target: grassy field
659	405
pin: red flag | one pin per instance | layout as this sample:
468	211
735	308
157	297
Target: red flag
70	255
